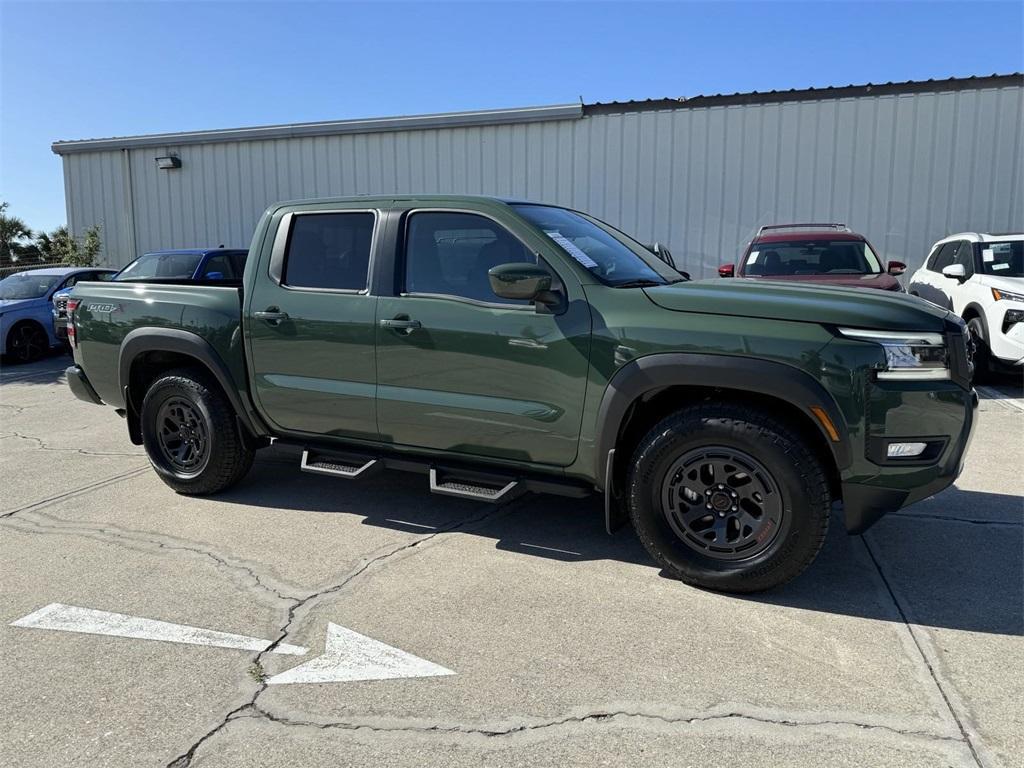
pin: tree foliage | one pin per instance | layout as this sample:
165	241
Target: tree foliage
59	246
13	234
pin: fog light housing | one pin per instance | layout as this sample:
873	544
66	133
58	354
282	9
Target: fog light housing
905	450
1011	318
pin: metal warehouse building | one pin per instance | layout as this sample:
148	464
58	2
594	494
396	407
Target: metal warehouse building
903	163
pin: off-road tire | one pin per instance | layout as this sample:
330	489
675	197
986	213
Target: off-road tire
796	473
227	457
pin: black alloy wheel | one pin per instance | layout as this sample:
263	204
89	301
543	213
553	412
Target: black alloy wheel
722	503
27	343
183	438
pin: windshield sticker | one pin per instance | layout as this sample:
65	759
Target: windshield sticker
988	255
1001	265
571	249
753	257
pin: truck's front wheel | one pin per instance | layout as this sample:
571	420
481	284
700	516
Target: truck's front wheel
190	434
727	497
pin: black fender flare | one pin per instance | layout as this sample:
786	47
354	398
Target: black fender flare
765	377
977	309
193	345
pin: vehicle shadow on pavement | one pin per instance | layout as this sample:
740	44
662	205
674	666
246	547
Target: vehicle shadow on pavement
930	569
47	370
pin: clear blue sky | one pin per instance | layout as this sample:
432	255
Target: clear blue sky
86	70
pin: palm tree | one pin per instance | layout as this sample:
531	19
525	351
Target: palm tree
12	232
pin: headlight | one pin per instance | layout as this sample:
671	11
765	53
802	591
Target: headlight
908	356
1000	295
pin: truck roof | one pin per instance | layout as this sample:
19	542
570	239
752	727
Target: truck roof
426	198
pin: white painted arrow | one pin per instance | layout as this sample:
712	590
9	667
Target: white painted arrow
69	618
350	656
347	656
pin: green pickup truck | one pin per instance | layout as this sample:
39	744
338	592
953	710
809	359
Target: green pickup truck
502	347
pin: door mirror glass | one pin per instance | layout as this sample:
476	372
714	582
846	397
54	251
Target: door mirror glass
727	270
897	267
519	280
954	271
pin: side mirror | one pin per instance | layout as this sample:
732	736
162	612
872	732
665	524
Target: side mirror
954	271
727	270
213	276
519	280
897	267
662	253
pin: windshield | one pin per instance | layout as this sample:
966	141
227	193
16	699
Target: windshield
812	257
25	285
594	245
1003	259
162	266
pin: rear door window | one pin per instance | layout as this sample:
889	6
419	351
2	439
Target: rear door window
329	251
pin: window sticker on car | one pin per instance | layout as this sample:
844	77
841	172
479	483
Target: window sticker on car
988	255
571	248
1003	265
753	257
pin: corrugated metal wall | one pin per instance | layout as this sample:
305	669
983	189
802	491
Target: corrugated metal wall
903	169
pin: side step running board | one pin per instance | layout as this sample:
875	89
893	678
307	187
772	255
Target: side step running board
347	467
473	489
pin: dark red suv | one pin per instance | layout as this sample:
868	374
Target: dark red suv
828	254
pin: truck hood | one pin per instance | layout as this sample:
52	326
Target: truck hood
8	305
802	302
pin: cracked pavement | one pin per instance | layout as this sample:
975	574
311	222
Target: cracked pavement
903	647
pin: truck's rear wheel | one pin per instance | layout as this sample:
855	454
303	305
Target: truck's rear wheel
190	434
728	498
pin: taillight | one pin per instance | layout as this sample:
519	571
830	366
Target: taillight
71	307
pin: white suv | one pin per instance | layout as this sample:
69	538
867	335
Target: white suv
981	278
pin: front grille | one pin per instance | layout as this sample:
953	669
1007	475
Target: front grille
61	305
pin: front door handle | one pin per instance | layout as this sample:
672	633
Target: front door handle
402	324
272	315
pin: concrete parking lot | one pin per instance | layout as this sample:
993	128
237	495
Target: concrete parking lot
903	647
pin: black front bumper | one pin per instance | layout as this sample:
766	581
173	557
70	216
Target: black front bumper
865	503
80	386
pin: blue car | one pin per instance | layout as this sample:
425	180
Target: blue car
26	319
205	264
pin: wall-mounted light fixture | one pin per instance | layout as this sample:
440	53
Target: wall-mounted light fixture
168	163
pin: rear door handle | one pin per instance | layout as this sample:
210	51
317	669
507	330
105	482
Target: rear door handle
402	323
271	314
